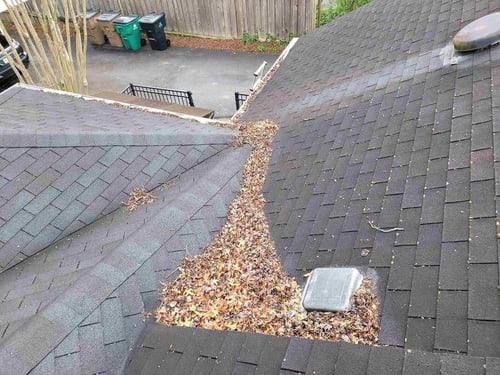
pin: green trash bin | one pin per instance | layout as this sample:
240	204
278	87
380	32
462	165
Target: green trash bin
129	30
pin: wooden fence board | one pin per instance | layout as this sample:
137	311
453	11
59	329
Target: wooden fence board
259	21
278	15
186	22
171	14
233	20
218	17
246	16
188	9
269	17
225	18
301	14
288	16
239	17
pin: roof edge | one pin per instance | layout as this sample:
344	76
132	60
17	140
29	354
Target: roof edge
201	120
266	78
289	354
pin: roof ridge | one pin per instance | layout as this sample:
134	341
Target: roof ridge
78	138
201	120
83	120
79	300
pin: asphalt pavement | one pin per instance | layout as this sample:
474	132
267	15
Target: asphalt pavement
212	76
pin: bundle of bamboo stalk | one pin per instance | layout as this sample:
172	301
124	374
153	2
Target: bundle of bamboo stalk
57	49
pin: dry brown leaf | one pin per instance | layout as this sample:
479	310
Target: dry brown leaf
138	197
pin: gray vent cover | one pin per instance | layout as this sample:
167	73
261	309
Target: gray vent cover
331	289
478	34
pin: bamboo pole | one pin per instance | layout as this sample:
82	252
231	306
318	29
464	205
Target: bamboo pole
57	50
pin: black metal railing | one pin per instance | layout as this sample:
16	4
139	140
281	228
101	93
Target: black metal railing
240	99
160	94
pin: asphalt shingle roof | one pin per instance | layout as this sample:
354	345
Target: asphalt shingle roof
378	121
376	124
76	303
57	120
59	173
179	351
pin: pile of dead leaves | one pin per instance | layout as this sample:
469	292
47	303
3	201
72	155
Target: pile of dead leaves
238	283
138	197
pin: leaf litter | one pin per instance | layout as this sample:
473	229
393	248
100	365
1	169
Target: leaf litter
238	282
138	197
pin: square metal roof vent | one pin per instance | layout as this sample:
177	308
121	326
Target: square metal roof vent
331	289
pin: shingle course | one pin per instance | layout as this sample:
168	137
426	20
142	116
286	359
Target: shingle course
384	105
428	166
116	318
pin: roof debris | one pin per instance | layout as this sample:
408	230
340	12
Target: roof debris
169	184
138	197
238	282
385	230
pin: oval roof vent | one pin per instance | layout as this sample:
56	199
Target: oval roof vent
478	34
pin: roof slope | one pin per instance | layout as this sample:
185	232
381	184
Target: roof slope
61	170
179	351
77	305
377	125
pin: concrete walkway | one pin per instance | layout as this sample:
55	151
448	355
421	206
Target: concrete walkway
212	76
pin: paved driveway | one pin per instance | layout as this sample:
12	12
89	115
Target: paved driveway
212	76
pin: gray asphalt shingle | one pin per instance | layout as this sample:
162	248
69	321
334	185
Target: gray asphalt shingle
416	138
93	283
39	182
377	125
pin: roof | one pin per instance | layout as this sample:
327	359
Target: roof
79	270
379	122
377	125
66	161
179	351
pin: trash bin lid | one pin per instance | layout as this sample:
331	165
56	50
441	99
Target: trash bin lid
151	17
108	16
125	19
91	13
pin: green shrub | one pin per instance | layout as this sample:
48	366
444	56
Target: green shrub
246	38
338	9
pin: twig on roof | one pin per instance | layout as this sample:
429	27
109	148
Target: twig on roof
169	183
384	230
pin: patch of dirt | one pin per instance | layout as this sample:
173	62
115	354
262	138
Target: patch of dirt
238	282
235	45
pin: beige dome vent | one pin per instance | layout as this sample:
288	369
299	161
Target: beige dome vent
481	33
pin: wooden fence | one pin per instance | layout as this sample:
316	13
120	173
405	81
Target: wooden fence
226	18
